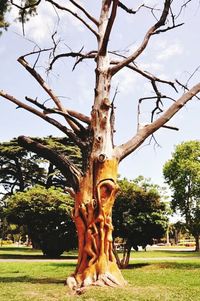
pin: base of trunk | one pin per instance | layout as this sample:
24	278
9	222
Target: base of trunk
102	273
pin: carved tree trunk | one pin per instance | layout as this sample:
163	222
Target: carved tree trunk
92	216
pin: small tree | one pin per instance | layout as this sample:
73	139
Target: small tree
95	184
47	215
182	174
139	217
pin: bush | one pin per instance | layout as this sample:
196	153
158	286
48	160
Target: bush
47	216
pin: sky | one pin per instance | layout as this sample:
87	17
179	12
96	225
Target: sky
172	55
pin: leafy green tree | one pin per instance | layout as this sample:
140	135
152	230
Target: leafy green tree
139	216
20	168
182	174
47	215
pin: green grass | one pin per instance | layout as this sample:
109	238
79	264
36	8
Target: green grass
13	252
150	278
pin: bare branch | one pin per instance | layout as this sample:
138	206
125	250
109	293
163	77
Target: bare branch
77	126
146	39
41	81
167	28
109	26
170	127
44	85
67	168
73	54
52	121
80	116
85	12
146	74
75	15
125	149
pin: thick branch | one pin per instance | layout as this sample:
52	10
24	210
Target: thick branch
146	74
74	14
80	116
77	128
52	121
72	54
145	41
67	168
85	12
111	20
44	85
125	149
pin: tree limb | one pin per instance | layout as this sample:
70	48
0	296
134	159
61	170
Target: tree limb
67	168
80	116
85	12
146	74
109	26
44	85
72	54
52	121
78	128
125	149
75	15
145	41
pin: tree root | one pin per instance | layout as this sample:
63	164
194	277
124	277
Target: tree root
78	283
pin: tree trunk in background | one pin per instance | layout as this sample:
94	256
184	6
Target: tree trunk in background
197	247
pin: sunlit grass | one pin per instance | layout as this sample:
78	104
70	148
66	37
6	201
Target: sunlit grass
176	278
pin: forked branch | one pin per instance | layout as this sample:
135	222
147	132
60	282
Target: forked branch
40	114
63	8
125	149
145	41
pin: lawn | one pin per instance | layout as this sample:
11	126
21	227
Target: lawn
151	276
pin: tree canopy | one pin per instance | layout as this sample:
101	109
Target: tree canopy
182	174
47	215
139	215
20	168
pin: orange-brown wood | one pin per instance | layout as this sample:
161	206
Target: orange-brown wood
93	218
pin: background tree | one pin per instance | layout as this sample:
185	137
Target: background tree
21	169
95	184
47	215
182	174
139	216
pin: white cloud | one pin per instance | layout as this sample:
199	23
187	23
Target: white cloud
41	26
151	67
126	80
169	51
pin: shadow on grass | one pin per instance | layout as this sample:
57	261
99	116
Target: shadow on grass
29	256
24	279
136	266
166	265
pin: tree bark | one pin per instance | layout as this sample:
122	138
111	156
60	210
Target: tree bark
92	215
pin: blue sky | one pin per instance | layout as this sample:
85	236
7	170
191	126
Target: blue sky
174	54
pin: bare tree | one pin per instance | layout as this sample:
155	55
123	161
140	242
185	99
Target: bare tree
94	187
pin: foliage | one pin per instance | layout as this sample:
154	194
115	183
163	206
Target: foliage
182	174
47	215
139	216
20	169
4	6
